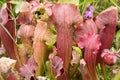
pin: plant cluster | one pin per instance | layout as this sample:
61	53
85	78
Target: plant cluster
43	40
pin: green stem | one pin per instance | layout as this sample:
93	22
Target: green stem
114	4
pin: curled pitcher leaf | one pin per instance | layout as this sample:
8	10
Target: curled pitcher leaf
28	70
26	11
39	46
87	27
26	33
109	57
57	64
106	22
91	44
58	14
42	35
87	39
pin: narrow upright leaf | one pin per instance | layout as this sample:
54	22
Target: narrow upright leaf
8	42
106	21
87	38
42	35
63	21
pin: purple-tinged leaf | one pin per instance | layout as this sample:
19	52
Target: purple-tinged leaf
91	43
106	21
28	70
5	38
87	39
87	27
109	57
31	60
57	64
64	23
8	42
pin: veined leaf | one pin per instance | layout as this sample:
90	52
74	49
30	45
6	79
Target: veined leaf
59	16
8	41
42	35
87	38
106	21
28	70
